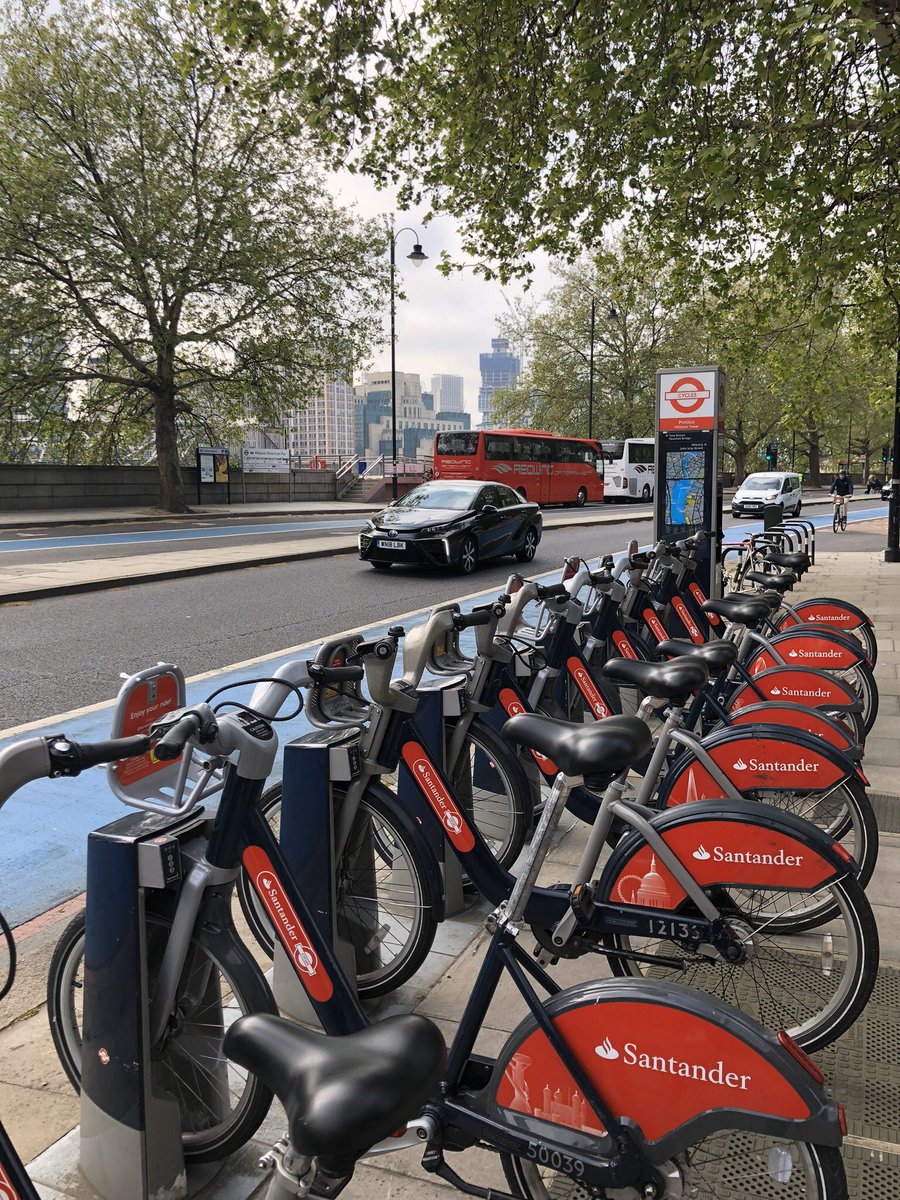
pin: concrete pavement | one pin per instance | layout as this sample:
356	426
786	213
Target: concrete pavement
39	1107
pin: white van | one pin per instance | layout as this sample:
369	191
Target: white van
768	487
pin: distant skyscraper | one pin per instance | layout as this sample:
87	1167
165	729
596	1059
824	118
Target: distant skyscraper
498	369
448	393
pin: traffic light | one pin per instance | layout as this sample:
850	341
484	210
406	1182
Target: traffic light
772	454
885	452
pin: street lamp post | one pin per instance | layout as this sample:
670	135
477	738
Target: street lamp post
417	258
591	372
892	553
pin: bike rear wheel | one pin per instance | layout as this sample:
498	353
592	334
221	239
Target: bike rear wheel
814	984
221	1104
845	814
384	899
753	1163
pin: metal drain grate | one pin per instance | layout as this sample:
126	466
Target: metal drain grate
887	811
871	1174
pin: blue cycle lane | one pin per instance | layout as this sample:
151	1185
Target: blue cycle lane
138	537
45	826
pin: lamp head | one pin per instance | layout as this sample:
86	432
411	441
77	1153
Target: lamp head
418	256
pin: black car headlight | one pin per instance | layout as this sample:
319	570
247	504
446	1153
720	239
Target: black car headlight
436	530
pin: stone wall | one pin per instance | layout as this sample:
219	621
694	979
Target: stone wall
43	486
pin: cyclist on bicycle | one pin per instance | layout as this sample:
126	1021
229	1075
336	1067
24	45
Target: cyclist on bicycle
842	485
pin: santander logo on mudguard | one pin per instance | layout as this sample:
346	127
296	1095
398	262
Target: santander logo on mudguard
432	788
687	620
655	1064
812	613
287	924
7	1191
655	625
807	652
623	645
513	706
814	689
719	852
751	763
587	687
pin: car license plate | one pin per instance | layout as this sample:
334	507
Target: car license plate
382	545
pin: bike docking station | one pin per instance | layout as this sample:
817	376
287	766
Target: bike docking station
131	1134
318	767
690	447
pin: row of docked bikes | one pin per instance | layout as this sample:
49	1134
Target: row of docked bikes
713	750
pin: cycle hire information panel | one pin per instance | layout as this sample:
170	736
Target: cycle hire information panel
689	459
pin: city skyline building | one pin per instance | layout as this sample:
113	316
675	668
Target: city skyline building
499	369
448	392
418	417
326	426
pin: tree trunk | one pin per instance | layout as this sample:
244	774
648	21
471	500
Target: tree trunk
739	453
171	484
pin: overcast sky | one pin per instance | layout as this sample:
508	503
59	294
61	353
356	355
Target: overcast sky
444	323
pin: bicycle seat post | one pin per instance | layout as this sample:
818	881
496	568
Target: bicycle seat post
540	844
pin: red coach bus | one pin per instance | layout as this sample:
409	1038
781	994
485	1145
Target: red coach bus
540	466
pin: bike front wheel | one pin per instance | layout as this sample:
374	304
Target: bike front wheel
221	1105
753	1163
814	984
385	906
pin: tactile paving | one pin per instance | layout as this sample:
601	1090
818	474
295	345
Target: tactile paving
887	812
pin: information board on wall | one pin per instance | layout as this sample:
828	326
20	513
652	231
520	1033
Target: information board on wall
266	461
689	457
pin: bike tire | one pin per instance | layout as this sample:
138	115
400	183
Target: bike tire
814	985
178	1069
835	522
403	921
503	812
861	678
709	1171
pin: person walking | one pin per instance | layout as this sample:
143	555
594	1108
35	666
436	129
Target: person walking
871	484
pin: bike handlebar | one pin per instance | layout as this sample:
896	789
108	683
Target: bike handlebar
483	616
57	756
177	736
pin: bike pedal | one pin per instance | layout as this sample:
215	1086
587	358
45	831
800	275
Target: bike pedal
581	901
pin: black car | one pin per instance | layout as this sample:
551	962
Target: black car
452	523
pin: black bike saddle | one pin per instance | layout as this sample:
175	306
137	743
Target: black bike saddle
664	681
716	654
745	610
605	748
773	599
794	560
782	582
342	1095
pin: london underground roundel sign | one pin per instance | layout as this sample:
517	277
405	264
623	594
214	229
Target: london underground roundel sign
687	401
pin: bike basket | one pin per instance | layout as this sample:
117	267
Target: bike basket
329	704
144	782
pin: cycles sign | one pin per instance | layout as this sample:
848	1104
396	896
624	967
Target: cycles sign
687	400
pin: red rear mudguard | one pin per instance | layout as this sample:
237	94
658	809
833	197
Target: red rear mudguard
815	689
808	646
753	758
743	844
796	716
827	613
672	1064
